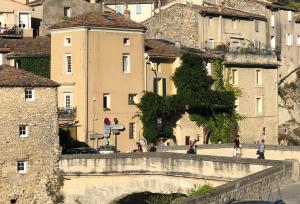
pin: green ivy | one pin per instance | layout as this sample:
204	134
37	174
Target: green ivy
36	65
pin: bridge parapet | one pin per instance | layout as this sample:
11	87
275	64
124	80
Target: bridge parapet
171	164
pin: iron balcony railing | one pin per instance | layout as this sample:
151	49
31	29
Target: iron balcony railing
13	31
67	113
240	48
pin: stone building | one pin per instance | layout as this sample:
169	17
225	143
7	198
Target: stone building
208	27
251	63
29	137
99	60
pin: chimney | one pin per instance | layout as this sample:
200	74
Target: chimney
178	44
127	14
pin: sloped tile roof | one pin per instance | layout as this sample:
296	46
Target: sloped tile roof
117	2
14	77
98	19
227	12
26	47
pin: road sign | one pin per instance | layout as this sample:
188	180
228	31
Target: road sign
115	131
117	127
106	121
106	130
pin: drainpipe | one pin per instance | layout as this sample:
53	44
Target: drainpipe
87	86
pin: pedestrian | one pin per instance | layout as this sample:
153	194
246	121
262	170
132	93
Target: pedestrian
261	150
139	147
192	146
237	144
152	147
161	144
234	151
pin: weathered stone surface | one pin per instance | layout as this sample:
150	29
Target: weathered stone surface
40	149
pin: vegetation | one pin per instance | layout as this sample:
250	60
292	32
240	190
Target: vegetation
214	109
293	141
36	65
169	198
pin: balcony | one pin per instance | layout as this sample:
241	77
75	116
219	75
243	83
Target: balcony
240	48
11	32
66	113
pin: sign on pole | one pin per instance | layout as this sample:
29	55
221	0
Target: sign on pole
117	127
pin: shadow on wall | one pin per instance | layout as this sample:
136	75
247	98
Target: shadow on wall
66	141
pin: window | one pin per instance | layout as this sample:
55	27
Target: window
160	86
24	21
298	40
126	41
131	99
234	24
22	167
258	77
68	100
119	9
289	16
210	43
138	8
126	63
210	21
273	42
155	85
67	12
273	20
67	41
132	131
289	39
256	25
187	140
23	131
209	69
106	101
258	105
68	63
257	44
234	77
29	95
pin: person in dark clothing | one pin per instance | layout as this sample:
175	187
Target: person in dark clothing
261	150
152	148
237	145
192	149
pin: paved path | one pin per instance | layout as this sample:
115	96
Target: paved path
290	193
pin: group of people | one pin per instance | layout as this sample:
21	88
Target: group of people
140	148
237	148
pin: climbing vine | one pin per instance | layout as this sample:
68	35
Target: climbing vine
36	65
213	109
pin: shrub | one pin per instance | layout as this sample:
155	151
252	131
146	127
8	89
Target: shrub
202	190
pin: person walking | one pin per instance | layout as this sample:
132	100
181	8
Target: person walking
139	147
261	150
237	145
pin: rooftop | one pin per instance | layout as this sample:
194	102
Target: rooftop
215	10
98	19
123	2
39	46
14	77
167	49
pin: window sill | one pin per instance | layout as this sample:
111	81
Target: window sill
106	109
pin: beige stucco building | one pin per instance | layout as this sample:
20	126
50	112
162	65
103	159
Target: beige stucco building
138	10
15	19
99	60
29	137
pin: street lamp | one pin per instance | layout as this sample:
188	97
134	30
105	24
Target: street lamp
147	61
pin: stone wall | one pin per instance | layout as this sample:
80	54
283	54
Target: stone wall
40	149
245	5
177	23
249	187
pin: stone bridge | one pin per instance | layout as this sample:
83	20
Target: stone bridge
96	179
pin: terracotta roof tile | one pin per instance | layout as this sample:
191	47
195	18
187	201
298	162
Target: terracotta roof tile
39	46
13	77
97	19
227	12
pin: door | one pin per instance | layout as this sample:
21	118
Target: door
24	20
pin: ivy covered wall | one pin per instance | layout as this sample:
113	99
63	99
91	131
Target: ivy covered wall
36	65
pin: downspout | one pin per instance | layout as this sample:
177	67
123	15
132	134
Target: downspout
87	86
